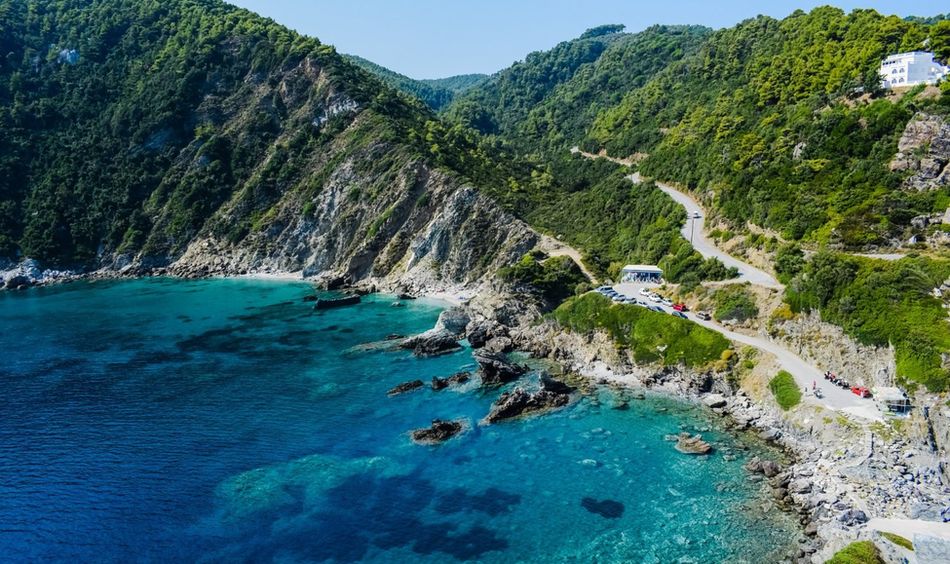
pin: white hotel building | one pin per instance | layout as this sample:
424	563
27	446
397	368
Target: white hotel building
911	69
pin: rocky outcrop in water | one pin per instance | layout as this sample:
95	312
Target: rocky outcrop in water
495	369
519	402
456	379
439	432
405	387
431	343
692	444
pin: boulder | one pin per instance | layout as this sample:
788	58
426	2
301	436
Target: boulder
770	468
431	343
853	517
495	369
439	432
692	444
453	321
518	402
479	333
405	296
800	486
714	400
405	387
17	281
453	380
499	345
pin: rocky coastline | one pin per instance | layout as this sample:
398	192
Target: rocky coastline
835	488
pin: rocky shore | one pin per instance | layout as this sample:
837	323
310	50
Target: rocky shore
843	475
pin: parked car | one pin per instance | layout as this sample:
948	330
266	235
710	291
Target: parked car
861	391
654	298
680	314
680	307
704	315
644	292
666	302
657	308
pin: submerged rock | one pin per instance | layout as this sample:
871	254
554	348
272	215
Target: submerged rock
431	343
453	380
405	387
692	444
439	432
607	508
495	369
519	402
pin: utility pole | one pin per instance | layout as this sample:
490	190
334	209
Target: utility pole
692	225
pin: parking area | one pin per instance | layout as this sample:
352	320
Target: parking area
645	294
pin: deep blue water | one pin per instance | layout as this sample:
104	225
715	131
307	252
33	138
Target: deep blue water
224	420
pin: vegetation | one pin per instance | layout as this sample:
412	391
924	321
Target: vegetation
649	335
776	118
785	390
898	540
552	279
860	552
548	101
435	93
880	303
734	302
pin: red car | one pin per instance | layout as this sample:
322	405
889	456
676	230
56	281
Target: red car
680	307
860	391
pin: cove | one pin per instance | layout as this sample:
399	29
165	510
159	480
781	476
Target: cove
225	420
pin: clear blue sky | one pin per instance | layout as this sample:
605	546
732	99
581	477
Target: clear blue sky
438	38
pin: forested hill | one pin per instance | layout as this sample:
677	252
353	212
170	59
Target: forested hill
786	122
134	127
550	99
436	93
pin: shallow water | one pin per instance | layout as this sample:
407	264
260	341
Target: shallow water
224	420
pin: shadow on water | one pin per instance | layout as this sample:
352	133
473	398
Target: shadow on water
370	510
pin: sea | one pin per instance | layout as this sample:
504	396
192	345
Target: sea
224	420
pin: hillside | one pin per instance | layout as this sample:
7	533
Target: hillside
778	118
550	99
436	93
195	134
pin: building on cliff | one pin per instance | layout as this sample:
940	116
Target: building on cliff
911	69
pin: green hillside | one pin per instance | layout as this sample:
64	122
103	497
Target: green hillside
436	93
549	100
171	119
785	122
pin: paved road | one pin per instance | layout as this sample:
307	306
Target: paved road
694	232
805	374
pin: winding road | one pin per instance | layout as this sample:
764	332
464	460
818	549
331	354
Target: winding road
805	374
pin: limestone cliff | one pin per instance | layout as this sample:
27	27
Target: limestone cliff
924	152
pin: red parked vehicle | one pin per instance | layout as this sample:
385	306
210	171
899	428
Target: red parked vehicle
680	307
860	391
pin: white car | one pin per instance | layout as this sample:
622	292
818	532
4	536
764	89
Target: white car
655	298
696	215
667	303
644	292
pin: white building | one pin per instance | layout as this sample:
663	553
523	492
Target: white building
641	273
911	69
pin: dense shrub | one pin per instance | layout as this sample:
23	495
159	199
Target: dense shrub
861	552
734	302
651	336
552	279
785	390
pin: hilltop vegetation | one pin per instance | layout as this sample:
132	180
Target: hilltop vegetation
774	117
436	93
549	100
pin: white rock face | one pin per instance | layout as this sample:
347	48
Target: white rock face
924	151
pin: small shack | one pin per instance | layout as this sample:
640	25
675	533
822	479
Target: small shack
891	400
641	273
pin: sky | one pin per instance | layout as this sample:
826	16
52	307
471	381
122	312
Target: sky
440	38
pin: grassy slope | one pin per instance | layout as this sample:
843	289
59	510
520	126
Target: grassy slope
644	332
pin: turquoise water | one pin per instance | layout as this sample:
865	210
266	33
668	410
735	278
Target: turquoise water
224	420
